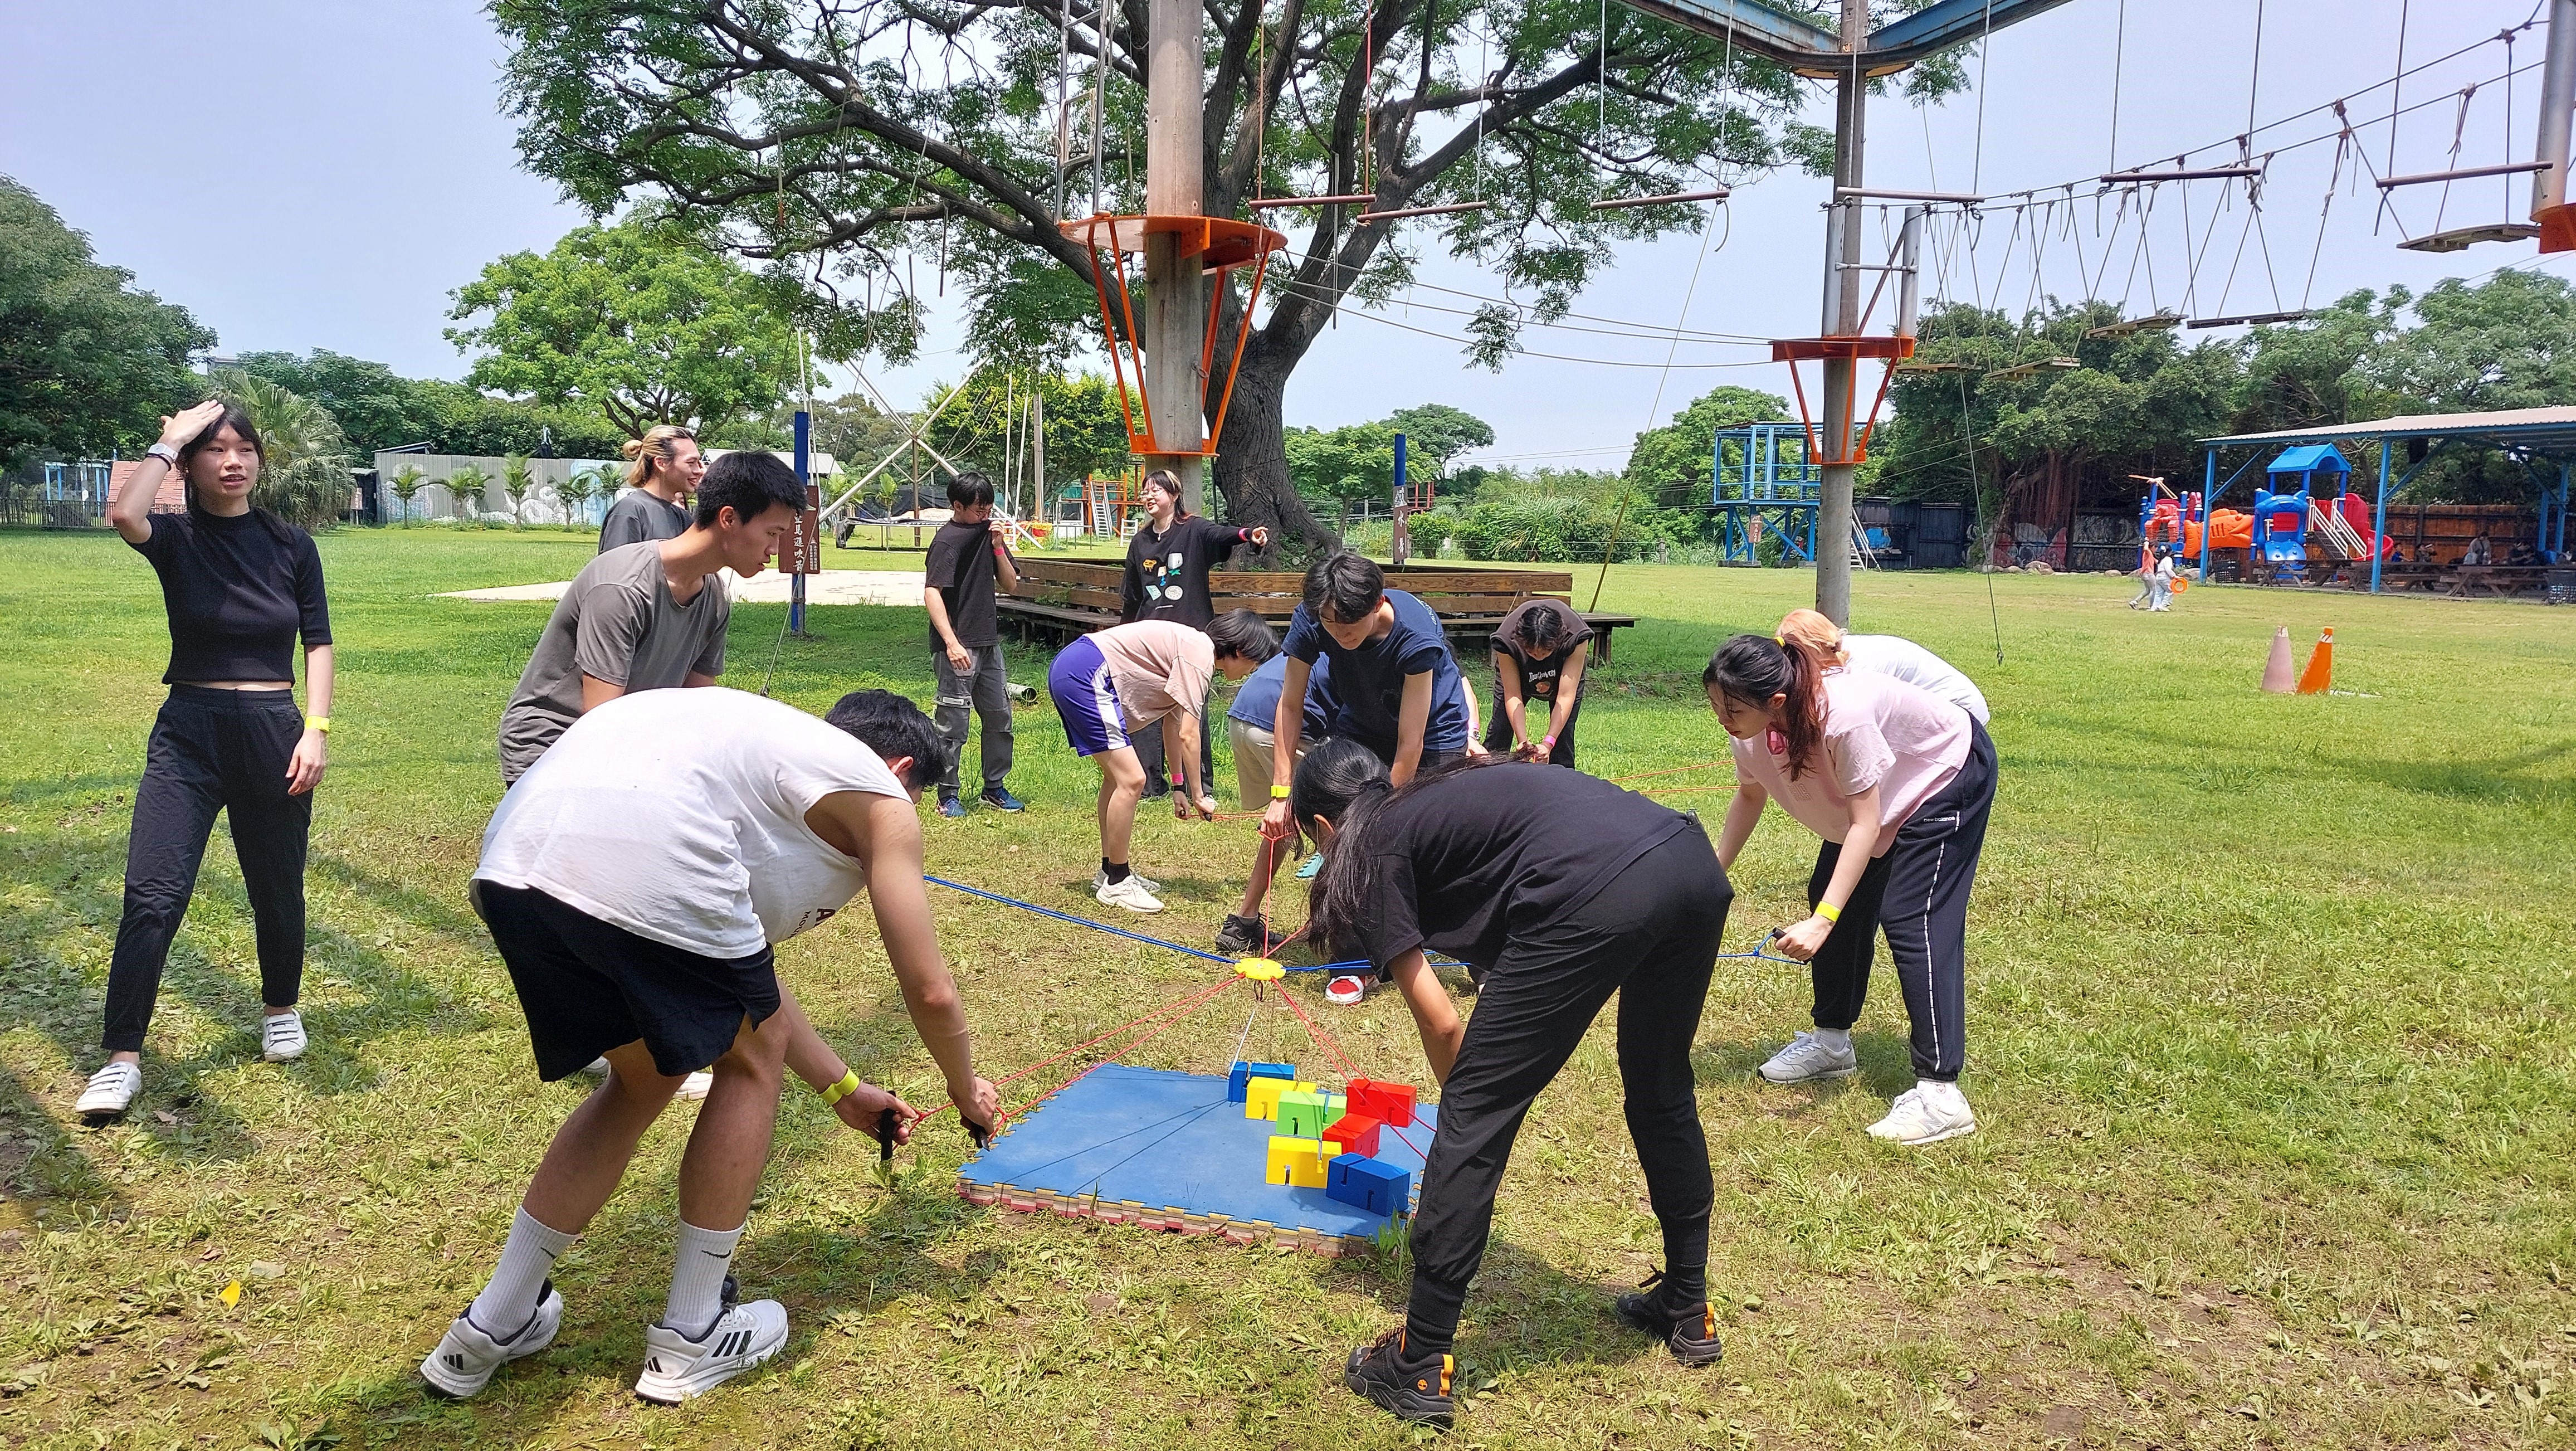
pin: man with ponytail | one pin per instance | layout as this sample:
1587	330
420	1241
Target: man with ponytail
1560	890
1898	782
662	470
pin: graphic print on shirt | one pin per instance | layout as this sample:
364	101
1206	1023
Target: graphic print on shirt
1163	577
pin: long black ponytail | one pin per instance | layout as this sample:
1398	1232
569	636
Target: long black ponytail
1750	669
1345	783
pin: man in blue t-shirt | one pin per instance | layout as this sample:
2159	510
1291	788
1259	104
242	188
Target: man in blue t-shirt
1398	687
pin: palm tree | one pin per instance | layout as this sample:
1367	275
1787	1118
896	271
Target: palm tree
304	465
517	478
465	486
576	492
405	484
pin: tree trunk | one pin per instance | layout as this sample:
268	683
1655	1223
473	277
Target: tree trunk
1252	464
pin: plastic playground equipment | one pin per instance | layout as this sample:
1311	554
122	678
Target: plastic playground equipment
2275	534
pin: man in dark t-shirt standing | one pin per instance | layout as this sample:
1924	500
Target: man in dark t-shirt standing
967	559
1167	579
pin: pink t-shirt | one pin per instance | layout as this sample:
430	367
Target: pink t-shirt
1160	666
1879	731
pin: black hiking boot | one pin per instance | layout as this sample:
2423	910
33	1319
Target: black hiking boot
1419	1394
1242	936
1689	1331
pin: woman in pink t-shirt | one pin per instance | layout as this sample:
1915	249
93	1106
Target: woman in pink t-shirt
1865	759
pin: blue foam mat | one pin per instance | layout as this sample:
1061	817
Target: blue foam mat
1173	1141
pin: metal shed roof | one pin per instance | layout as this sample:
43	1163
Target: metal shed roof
2309	457
2547	430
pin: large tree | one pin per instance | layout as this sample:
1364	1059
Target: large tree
631	320
88	364
861	144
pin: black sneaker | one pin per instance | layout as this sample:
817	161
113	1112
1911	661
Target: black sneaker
1419	1395
1690	1332
1242	936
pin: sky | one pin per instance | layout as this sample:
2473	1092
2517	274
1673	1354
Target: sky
308	173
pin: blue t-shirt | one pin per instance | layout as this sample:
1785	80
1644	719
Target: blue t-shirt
1369	681
1256	700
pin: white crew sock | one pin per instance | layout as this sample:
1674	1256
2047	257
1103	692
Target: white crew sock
510	1301
1838	1039
697	1278
1943	1096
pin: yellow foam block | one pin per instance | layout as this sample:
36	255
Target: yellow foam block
1299	1162
1261	1096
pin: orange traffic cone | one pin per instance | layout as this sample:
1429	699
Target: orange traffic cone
2320	672
2277	677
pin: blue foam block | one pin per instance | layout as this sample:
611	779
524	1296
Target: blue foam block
1238	1081
1175	1141
1372	1185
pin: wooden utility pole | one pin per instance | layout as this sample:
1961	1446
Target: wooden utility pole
1842	318
1176	71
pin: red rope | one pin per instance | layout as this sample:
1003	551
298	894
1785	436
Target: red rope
1175	1010
1322	1039
1673	771
1139	1041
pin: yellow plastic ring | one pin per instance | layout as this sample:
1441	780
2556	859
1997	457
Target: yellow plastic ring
1259	969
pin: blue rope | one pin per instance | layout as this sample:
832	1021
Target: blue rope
1077	921
1351	966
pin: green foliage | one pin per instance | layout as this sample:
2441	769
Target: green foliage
1560	516
88	364
1350	463
406	482
304	461
1086	432
1672	462
2509	342
631	320
465	489
517	478
378	409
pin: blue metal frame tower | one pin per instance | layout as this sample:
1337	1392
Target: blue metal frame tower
1769	488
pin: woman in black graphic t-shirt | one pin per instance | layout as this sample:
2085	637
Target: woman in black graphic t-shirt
240	585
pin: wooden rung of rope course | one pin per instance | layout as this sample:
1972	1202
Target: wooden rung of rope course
1713	194
2252	319
2034	369
1923	367
2460	239
1439	211
1312	201
2153	322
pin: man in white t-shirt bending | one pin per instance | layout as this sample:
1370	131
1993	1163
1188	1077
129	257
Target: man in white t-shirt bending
635	880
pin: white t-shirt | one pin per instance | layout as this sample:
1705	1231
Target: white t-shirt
679	815
1904	660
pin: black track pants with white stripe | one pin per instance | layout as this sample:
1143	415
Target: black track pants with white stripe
1917	894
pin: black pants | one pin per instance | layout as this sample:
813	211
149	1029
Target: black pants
1148	745
1917	894
1498	731
211	750
1650	936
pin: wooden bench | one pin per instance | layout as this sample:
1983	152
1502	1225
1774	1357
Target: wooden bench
1059	599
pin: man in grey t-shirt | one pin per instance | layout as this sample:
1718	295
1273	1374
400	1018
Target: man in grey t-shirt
641	516
651	616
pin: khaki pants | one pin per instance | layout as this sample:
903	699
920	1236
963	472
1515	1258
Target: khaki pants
1253	749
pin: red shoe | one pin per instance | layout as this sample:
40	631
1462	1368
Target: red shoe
1346	989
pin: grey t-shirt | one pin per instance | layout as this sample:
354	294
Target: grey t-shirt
638	516
617	623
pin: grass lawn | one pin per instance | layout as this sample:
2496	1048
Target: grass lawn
2270	1038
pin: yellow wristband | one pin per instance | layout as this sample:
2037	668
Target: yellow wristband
848	1085
1278	792
1829	911
320	723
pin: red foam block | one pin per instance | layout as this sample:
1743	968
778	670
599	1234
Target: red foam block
1388	1103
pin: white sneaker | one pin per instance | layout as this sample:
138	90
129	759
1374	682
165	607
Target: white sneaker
1927	1113
111	1090
281	1037
1101	879
597	1067
1135	894
695	1086
466	1357
676	1367
1347	989
1807	1057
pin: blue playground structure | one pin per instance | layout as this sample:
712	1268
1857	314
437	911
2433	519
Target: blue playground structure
2280	533
1768	488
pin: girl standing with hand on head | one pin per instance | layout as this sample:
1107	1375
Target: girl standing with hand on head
1899	783
241	585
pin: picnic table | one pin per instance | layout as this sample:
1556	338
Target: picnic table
1059	599
2468	580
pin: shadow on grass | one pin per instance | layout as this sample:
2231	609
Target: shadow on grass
1886	1066
72	884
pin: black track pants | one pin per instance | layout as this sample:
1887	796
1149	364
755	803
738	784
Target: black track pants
1650	936
211	750
1917	894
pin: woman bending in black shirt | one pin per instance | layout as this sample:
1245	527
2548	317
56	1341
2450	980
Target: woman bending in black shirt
1560	889
240	585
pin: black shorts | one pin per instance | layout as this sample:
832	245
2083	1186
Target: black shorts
588	986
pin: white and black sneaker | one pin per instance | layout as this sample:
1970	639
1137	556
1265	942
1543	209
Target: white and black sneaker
1100	880
281	1036
466	1357
677	1367
111	1090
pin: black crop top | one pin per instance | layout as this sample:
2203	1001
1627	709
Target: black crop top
239	591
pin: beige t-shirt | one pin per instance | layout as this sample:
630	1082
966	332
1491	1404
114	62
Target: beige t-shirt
1160	666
